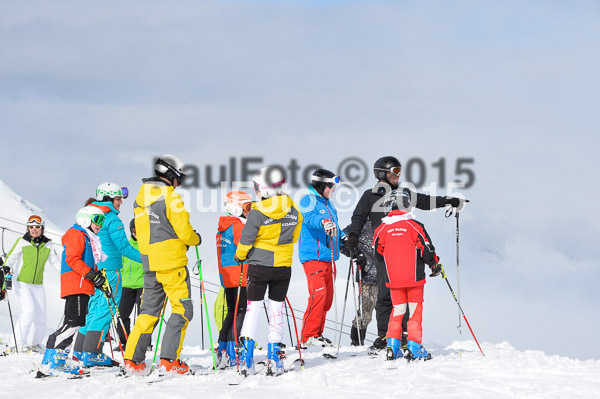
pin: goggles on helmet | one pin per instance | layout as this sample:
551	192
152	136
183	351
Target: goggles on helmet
98	219
35	220
122	192
334	179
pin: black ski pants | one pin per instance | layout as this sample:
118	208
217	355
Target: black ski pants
76	308
227	332
130	298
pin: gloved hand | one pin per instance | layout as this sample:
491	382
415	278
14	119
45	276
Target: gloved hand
456	202
6	270
435	270
360	259
351	243
329	227
99	281
238	260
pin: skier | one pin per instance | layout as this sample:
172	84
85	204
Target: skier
79	274
387	172
366	277
267	242
27	260
90	339
406	247
320	233
133	285
238	205
164	234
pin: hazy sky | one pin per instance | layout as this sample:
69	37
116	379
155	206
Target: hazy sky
92	91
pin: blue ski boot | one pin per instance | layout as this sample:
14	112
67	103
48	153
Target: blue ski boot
55	363
246	356
416	351
393	346
231	353
89	359
275	358
220	352
77	355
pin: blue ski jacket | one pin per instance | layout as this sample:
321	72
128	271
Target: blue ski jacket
114	240
314	244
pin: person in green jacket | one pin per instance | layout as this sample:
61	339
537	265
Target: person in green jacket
26	261
133	285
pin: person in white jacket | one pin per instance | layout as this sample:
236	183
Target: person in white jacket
27	260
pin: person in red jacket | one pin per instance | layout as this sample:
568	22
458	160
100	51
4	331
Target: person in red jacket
237	204
79	277
406	248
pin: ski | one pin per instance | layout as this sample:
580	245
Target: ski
329	356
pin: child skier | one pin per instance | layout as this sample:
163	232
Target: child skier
79	275
90	339
319	241
406	248
27	259
267	242
238	205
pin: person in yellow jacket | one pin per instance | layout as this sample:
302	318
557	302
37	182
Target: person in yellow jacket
164	234
267	243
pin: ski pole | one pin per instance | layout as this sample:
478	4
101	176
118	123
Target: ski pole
344	307
458	270
114	324
162	317
296	328
335	308
287	316
235	312
110	296
11	322
357	314
212	349
460	308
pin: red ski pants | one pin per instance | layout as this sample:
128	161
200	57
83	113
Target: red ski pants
410	298
320	297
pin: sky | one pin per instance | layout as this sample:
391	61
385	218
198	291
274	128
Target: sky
93	91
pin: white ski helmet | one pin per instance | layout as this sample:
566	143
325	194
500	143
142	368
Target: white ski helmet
268	182
88	214
110	190
236	202
170	167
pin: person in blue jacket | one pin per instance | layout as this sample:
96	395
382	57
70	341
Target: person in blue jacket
90	338
320	234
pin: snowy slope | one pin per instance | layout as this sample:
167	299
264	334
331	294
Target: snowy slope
457	371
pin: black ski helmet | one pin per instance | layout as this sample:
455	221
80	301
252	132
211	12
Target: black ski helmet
170	167
132	225
322	178
399	198
384	165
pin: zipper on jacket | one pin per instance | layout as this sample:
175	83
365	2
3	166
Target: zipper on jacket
37	259
327	207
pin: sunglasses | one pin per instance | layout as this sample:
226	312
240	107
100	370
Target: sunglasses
34	227
98	219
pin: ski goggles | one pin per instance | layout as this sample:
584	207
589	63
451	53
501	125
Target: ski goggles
122	192
35	220
98	219
332	180
395	170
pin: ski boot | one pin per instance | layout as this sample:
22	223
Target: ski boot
393	346
246	356
231	353
55	363
175	366
133	368
221	355
416	351
77	355
89	359
275	356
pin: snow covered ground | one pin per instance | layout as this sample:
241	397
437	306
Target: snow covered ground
456	371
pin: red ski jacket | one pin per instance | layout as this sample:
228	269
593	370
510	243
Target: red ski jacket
406	248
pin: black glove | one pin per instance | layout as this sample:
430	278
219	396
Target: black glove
351	243
435	270
360	259
99	281
456	202
238	260
6	270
